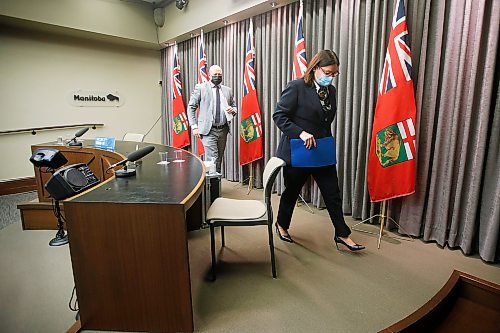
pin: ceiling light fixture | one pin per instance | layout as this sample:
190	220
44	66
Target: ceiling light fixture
180	4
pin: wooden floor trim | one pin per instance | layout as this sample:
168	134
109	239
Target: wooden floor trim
75	328
18	185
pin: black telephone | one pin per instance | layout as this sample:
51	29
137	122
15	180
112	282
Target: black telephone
71	180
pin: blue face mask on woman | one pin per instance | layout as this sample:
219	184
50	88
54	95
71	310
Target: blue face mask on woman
325	81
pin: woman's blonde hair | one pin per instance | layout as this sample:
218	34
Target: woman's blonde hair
321	59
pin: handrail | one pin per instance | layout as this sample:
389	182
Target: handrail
33	130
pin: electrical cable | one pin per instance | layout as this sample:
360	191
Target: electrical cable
73	307
157	120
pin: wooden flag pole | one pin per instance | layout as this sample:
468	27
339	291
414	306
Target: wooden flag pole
382	222
250	179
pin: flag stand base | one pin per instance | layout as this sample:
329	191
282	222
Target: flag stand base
250	180
301	198
382	216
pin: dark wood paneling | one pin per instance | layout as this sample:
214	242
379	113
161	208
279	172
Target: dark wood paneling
131	266
194	216
128	241
38	215
19	185
465	304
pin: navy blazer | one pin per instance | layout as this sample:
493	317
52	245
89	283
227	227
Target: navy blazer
299	109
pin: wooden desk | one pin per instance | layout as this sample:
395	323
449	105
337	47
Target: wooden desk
38	214
98	161
128	244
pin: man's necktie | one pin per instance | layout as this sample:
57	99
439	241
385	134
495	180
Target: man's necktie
217	105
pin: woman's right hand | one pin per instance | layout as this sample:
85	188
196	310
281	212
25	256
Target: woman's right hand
308	139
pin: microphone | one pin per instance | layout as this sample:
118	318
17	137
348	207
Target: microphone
132	157
140	153
78	134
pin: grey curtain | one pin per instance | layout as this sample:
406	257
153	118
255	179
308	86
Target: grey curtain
455	72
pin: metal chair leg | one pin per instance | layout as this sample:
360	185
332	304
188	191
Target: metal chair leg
271	248
212	248
222	235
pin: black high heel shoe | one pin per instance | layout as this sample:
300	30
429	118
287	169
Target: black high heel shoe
285	238
355	247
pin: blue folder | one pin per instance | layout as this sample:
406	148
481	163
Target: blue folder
322	155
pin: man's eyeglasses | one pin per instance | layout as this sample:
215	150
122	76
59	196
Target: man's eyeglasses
330	73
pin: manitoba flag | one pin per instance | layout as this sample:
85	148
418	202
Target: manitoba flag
202	78
251	124
391	161
251	128
299	54
180	133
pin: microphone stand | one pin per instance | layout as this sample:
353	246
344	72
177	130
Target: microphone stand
134	157
74	143
125	172
61	238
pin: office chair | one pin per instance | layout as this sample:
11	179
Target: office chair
234	212
136	137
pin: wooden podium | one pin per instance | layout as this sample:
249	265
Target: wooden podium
38	214
128	245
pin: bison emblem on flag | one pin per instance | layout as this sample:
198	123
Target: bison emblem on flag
395	144
180	123
251	128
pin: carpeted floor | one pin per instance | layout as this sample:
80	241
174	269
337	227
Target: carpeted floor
8	207
318	289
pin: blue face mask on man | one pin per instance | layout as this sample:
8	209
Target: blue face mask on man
325	81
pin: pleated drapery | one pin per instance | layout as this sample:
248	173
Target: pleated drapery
455	71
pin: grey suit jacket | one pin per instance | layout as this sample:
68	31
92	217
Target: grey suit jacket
202	97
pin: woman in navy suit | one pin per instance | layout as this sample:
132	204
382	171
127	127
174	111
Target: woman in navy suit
306	110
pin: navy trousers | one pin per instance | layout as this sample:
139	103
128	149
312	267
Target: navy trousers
326	178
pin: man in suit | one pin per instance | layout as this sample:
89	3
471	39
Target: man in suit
217	107
306	110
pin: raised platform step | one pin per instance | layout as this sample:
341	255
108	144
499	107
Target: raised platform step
37	215
466	303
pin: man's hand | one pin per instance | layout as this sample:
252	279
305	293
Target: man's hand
196	133
231	110
308	139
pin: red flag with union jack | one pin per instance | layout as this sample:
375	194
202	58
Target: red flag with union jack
202	78
251	122
299	54
180	133
392	157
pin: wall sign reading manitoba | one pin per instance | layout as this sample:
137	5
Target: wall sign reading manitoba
95	98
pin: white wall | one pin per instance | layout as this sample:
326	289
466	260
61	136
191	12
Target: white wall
38	71
209	15
114	18
66	45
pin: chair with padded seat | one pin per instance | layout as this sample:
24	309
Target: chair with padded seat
234	212
136	137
